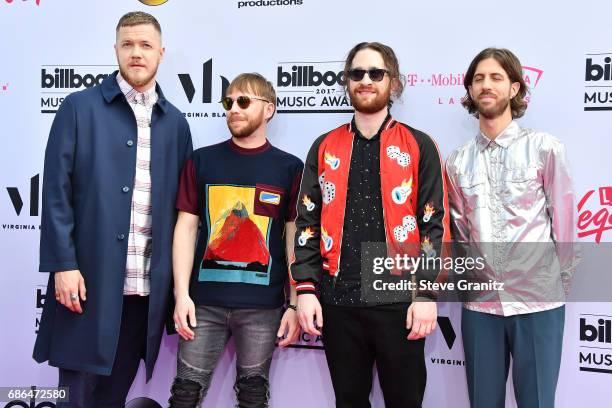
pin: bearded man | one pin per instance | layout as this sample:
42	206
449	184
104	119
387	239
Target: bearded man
230	277
111	174
512	202
371	180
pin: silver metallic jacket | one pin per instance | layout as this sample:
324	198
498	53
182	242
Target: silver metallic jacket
506	196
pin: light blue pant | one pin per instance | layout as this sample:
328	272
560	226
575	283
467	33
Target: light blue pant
534	340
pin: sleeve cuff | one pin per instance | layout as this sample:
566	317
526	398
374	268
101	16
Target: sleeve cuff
305	287
426	296
57	266
189	210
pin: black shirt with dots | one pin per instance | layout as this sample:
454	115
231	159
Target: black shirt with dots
363	219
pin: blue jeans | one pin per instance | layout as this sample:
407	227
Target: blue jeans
254	332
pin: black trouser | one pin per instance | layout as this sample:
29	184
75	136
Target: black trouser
91	390
357	337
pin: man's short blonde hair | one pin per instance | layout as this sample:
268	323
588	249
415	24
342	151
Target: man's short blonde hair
254	83
134	18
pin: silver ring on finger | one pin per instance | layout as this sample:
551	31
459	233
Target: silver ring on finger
74	297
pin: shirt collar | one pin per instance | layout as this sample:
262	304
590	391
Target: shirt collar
387	123
244	150
146	98
110	90
504	139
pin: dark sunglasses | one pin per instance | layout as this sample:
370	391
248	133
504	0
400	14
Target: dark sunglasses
243	101
375	74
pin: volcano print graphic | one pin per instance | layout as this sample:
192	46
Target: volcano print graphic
239	241
237	249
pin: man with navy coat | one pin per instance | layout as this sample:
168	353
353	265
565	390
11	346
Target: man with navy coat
111	175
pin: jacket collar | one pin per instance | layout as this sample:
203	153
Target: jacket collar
387	123
110	90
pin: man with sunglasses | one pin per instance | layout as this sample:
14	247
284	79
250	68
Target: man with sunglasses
371	180
243	193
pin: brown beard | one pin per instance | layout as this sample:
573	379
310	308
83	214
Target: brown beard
247	130
380	102
133	82
495	111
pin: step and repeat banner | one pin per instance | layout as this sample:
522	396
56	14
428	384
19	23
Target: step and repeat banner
52	48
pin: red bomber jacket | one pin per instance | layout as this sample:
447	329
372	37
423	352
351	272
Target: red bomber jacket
414	200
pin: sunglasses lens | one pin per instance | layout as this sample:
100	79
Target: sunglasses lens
243	101
227	103
376	74
356	74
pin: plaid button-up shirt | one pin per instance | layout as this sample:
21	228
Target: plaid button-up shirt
138	264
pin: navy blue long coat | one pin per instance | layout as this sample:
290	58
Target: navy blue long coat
89	160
